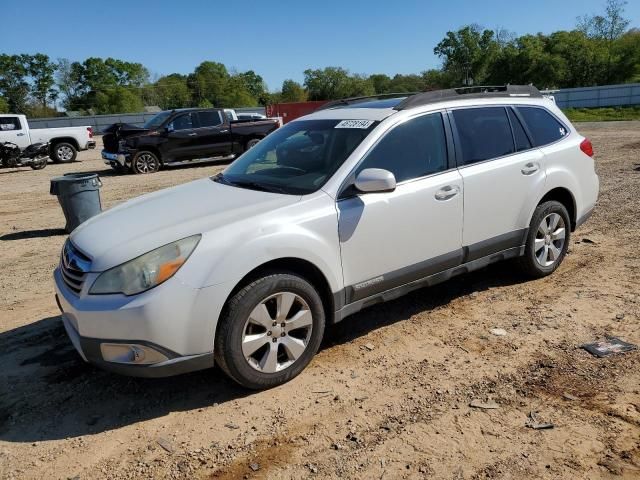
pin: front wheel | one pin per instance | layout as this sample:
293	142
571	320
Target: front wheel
39	163
547	240
270	330
145	162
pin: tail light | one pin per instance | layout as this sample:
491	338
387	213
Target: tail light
90	130
586	147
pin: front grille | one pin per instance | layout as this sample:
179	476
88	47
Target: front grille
74	266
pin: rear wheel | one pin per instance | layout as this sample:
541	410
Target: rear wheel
39	163
270	331
145	162
251	143
547	240
63	152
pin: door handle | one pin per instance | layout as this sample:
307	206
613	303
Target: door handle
530	168
194	134
445	193
224	131
20	135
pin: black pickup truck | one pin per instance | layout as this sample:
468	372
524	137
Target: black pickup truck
177	136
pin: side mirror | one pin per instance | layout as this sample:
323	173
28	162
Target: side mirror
375	180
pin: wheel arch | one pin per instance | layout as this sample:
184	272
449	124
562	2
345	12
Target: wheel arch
298	266
55	141
151	149
566	198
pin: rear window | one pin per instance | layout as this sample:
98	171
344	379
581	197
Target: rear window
209	119
484	133
9	123
543	126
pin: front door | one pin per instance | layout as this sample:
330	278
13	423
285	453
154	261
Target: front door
395	238
181	139
11	130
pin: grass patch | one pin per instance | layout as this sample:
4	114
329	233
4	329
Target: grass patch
603	114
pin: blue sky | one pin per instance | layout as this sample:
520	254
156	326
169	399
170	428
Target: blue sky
278	39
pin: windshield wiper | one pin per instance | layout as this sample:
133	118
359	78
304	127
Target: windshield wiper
249	184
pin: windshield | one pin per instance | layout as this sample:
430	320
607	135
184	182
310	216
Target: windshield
299	157
158	120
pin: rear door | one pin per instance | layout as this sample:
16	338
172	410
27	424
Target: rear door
501	171
12	130
213	135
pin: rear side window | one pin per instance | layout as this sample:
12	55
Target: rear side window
543	126
484	133
209	119
519	135
413	149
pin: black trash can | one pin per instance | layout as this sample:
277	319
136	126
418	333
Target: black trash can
79	197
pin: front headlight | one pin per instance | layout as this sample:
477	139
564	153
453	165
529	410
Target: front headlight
146	271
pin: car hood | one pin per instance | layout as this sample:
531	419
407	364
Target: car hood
142	224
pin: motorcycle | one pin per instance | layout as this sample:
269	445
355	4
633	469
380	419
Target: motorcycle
35	156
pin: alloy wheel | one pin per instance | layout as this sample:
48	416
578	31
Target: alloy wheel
550	239
277	332
146	163
64	153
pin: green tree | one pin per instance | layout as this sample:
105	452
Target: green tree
467	54
116	100
208	82
42	70
255	85
4	105
334	82
292	92
381	82
172	91
14	81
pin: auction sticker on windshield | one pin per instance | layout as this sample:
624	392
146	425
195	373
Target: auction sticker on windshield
354	124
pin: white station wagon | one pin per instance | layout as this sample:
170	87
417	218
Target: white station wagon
357	203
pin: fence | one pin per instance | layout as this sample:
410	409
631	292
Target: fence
591	97
100	122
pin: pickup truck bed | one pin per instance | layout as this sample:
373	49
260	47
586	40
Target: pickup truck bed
179	136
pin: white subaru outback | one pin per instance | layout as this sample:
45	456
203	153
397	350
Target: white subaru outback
357	203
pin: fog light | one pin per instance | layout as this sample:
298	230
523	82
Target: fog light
130	353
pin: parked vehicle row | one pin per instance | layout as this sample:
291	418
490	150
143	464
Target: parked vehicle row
355	204
177	136
64	143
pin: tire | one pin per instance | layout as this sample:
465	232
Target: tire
251	143
63	152
39	164
276	354
145	162
547	240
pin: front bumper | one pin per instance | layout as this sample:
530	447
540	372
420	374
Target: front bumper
172	323
114	159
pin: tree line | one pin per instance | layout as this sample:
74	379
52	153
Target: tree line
601	50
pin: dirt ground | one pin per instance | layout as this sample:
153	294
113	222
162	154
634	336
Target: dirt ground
388	394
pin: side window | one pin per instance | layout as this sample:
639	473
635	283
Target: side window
209	119
484	133
9	123
543	126
183	122
413	149
519	135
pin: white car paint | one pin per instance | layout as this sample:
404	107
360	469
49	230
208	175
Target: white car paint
352	242
24	136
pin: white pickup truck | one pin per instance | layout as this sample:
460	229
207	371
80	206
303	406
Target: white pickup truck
64	142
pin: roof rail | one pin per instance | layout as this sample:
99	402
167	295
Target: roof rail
352	100
468	92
